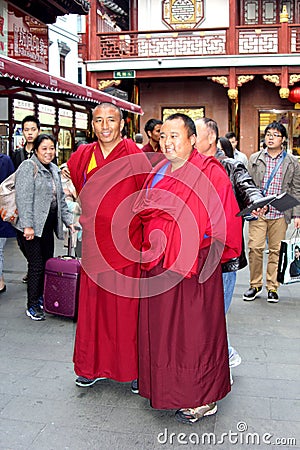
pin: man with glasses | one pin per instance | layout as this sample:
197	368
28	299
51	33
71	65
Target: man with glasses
274	171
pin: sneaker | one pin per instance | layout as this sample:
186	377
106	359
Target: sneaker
192	415
25	278
231	377
272	296
86	382
35	313
234	358
135	386
252	293
41	302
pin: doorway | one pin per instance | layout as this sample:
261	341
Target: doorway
291	121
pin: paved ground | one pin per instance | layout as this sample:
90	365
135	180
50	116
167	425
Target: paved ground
42	409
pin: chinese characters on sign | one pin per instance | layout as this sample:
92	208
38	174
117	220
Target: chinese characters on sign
29	45
124	74
27	39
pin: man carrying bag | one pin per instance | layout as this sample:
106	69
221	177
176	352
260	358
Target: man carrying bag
274	171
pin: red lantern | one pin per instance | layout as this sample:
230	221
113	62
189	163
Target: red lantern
294	96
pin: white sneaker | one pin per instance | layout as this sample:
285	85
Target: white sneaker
231	377
234	358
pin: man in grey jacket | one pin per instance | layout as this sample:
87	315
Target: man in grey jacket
274	171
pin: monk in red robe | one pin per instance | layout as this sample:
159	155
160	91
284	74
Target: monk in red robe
107	174
152	148
189	212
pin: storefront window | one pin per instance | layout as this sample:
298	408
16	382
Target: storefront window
64	145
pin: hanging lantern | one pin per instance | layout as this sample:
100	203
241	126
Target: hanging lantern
294	96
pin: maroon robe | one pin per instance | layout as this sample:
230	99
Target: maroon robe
106	334
183	353
154	156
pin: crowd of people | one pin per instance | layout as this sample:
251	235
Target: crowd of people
160	248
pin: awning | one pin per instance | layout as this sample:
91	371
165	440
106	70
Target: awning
17	70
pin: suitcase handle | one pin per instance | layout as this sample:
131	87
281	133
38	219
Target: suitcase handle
69	253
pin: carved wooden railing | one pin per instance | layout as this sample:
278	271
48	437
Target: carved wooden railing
156	44
264	39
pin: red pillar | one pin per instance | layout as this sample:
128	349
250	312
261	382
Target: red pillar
133	11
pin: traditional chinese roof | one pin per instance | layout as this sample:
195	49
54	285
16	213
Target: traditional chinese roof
47	10
119	11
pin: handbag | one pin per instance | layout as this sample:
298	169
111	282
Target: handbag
289	260
8	207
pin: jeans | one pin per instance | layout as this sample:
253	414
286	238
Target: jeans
229	279
2	245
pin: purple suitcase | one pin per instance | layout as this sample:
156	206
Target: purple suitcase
61	286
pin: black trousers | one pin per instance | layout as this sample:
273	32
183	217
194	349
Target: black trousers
38	251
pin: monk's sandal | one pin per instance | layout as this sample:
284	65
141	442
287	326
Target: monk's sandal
192	415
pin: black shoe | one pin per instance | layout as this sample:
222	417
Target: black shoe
35	313
86	382
135	386
272	296
252	293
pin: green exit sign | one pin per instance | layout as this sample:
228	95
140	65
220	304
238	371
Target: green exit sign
124	74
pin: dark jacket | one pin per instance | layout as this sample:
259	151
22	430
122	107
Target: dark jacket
18	156
245	192
6	169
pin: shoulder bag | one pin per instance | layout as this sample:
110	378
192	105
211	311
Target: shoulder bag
8	207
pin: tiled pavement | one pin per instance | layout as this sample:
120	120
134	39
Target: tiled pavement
41	408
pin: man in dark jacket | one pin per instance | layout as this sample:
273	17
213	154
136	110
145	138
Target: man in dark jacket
245	192
30	129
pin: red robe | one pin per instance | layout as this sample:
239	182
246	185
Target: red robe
106	335
154	156
190	222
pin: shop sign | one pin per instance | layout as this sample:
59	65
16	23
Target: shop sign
46	114
65	117
27	39
124	74
22	108
81	120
